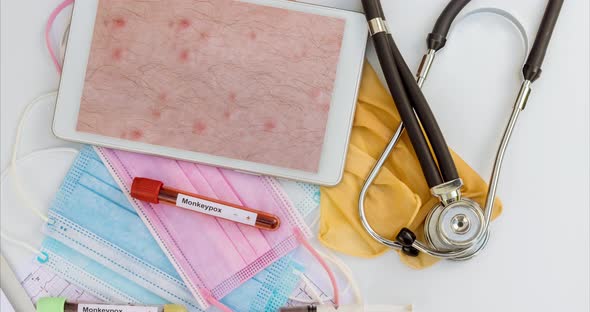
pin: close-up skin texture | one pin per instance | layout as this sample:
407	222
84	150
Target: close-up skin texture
234	79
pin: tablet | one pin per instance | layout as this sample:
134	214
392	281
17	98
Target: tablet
261	86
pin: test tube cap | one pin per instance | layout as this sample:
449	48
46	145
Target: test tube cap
146	190
174	308
51	304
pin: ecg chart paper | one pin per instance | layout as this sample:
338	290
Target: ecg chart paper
315	286
41	282
307	293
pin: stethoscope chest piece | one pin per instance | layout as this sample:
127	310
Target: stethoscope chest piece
455	223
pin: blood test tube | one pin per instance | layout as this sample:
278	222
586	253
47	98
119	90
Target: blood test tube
154	192
59	304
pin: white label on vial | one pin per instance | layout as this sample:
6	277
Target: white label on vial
216	209
114	308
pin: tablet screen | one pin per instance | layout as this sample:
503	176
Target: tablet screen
220	77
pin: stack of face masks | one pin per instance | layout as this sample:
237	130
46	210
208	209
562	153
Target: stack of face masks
97	241
234	252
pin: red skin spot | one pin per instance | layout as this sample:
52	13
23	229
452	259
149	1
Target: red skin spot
199	127
117	54
184	23
156	113
270	125
184	55
204	36
316	93
326	107
232	97
119	22
252	35
227	114
136	134
162	97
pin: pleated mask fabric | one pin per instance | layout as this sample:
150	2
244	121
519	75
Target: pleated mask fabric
399	196
97	241
234	252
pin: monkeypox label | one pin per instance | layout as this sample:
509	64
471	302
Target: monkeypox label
114	308
216	209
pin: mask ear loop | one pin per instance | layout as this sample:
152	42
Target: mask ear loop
214	302
48	26
346	271
316	298
42	256
301	238
20	243
13	160
12	167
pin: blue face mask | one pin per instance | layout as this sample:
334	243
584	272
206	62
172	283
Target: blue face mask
96	240
268	290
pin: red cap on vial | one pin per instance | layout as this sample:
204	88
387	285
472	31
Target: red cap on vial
146	190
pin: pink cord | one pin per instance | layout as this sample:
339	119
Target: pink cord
214	302
309	247
50	22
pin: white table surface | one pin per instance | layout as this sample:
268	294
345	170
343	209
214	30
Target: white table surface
538	257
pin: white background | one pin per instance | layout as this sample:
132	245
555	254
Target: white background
538	257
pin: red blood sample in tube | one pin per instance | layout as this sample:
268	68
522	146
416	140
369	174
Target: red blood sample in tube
154	192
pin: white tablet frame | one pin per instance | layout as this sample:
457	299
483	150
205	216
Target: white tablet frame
339	120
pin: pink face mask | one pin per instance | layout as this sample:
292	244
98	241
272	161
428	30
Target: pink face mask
213	256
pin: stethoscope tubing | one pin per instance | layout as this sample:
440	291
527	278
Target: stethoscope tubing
406	111
446	164
412	106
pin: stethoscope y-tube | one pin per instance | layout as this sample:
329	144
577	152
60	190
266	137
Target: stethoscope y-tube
457	228
409	98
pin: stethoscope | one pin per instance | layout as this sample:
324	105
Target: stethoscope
456	228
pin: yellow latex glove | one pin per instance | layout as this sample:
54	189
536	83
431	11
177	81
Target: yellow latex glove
399	196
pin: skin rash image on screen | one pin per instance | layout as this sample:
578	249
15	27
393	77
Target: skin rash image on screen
221	77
